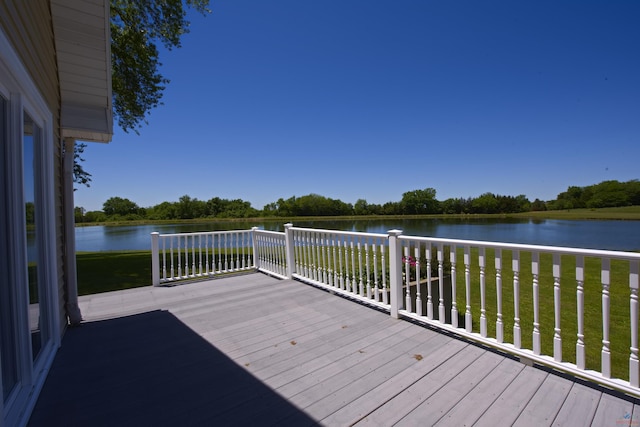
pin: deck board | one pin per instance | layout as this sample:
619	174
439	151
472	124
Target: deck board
252	349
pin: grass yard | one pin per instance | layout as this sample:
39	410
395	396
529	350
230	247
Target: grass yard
112	270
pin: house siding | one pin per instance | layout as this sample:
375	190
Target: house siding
30	30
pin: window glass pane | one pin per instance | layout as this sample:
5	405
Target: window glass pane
30	145
8	344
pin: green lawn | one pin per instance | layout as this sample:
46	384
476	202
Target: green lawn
112	270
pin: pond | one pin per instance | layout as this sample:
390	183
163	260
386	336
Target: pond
612	235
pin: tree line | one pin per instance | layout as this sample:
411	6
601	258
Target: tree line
415	202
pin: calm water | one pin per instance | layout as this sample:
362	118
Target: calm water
614	235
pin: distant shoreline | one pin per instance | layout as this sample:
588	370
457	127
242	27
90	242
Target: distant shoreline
628	213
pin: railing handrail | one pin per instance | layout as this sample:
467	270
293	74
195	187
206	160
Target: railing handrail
528	247
269	232
202	233
343	233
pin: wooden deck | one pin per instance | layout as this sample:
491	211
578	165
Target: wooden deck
254	350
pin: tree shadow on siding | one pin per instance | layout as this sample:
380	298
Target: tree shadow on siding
151	369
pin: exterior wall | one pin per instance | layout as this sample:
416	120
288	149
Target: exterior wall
29	27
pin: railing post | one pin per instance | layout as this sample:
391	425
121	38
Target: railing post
289	249
395	272
155	258
254	240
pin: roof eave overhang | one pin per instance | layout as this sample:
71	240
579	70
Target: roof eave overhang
83	54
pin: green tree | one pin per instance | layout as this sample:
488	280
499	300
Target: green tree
487	203
164	210
420	202
538	205
30	213
119	206
95	216
361	207
137	26
78	213
80	176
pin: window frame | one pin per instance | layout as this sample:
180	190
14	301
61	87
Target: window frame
22	96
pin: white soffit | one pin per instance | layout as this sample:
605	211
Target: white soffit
82	38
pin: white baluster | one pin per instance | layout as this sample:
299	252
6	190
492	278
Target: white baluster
385	297
368	270
318	257
240	249
164	258
483	310
634	361
354	284
171	256
307	270
360	281
219	253
337	261
376	294
193	256
605	275
580	350
300	266
327	260
206	254
322	275
248	246
499	324
340	266
418	296
427	256
441	308
557	337
226	252
535	271
468	319
327	249
283	256
179	253
347	281
515	263
275	261
234	251
200	254
296	251
312	267
454	303
407	279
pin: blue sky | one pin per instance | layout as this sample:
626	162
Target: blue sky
369	99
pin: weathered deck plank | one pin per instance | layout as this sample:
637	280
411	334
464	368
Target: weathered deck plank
251	349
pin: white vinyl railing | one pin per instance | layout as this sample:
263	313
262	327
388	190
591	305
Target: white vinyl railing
519	298
352	264
575	310
199	255
269	248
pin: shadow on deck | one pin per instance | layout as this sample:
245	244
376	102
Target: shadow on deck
254	350
151	369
